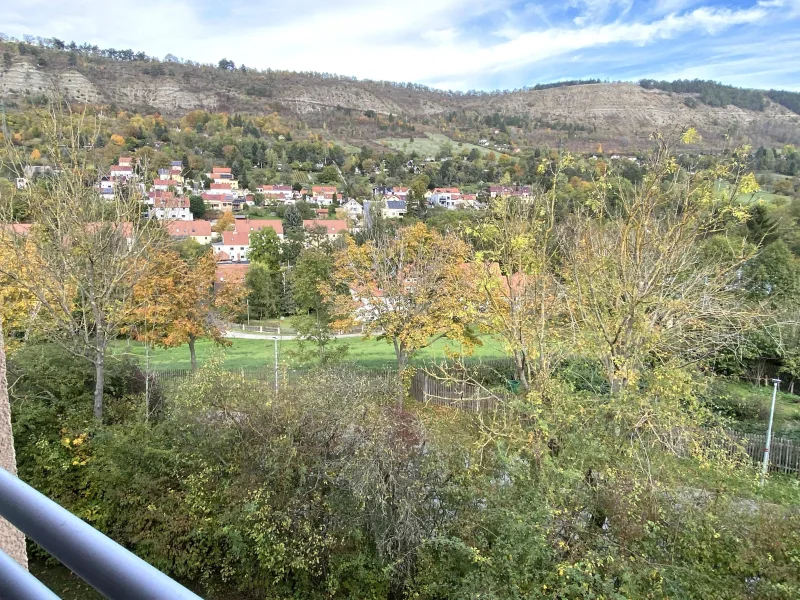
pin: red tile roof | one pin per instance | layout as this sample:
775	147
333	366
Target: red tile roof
220	186
332	226
197	228
232	272
221	170
236	238
166	182
248	225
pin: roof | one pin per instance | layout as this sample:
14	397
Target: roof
446	191
396	204
221	170
123	168
220	186
332	226
189	228
166	182
236	238
323	189
176	163
232	272
170	202
248	225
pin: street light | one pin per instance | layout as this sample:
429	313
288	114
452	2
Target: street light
765	466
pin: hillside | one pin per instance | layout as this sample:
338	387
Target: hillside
620	116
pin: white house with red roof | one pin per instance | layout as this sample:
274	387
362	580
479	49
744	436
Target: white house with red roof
334	228
199	230
170	208
216	202
279	193
120	172
233	247
446	197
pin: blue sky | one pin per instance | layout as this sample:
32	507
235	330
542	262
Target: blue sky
454	44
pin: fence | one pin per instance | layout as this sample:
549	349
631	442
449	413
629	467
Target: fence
464	396
784	455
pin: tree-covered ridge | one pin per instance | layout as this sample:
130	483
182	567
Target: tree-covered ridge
711	92
790	100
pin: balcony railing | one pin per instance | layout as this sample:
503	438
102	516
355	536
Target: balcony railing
98	560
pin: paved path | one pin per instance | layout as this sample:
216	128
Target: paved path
249	335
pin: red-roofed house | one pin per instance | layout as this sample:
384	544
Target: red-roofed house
280	193
199	231
220	175
162	185
446	197
250	225
334	228
120	173
219	189
230	273
125	161
167	207
218	202
234	244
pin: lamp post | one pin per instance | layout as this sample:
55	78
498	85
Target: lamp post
765	466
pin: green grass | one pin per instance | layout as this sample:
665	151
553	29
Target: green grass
250	354
430	144
750	405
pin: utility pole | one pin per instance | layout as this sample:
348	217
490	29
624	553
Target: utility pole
765	466
5	127
276	363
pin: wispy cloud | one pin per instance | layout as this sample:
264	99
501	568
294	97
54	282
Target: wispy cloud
455	43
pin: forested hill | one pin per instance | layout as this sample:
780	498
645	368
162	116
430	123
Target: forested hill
580	114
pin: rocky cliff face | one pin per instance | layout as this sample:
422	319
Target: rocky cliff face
622	114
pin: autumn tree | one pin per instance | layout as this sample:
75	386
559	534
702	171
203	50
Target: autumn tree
516	277
173	303
640	289
226	222
85	253
410	289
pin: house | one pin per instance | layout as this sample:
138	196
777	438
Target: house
233	247
279	193
214	202
334	228
106	188
125	161
162	185
120	172
220	175
199	231
446	197
502	191
250	225
220	189
168	207
21	182
229	273
394	209
353	208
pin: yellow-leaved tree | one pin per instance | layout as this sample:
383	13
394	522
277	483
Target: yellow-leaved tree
409	289
173	303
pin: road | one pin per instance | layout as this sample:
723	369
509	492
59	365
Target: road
247	335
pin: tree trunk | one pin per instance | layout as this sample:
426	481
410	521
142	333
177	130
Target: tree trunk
402	363
100	378
520	370
192	353
12	541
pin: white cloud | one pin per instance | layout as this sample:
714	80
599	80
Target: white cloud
429	41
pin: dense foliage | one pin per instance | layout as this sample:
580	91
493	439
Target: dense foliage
710	92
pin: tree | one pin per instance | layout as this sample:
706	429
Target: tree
227	65
173	303
640	289
410	289
265	248
226	222
519	288
329	174
292	219
263	291
12	541
312	272
197	206
85	252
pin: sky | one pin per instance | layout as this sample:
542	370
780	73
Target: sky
449	44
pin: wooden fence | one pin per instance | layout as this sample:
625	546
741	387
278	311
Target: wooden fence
784	455
455	394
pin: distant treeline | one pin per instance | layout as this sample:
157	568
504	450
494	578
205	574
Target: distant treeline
790	100
555	84
711	92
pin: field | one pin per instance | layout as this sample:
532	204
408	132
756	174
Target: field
250	353
429	145
750	404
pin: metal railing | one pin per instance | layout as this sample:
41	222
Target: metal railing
98	560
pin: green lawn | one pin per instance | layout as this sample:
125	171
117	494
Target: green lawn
429	144
750	405
249	354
